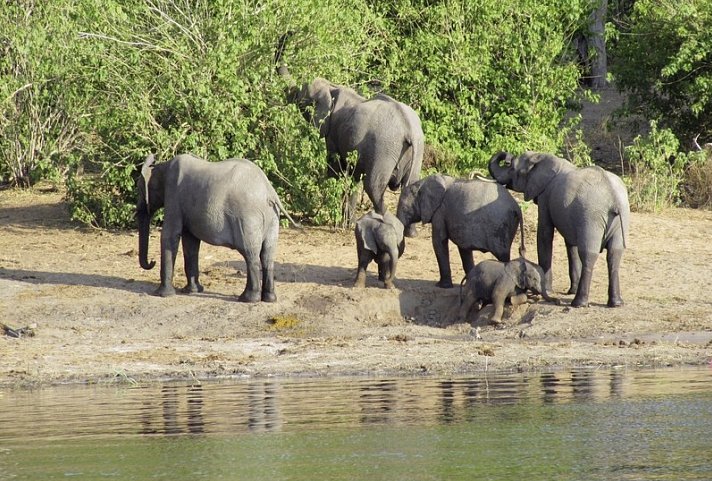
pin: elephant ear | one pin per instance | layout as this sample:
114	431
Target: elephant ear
536	170
369	238
320	93
146	172
431	195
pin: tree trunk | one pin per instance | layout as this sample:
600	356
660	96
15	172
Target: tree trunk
597	43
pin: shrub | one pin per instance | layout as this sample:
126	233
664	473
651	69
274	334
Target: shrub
657	169
697	186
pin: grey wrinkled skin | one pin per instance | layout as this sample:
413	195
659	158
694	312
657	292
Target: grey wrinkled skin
229	203
588	206
386	134
473	214
380	238
494	282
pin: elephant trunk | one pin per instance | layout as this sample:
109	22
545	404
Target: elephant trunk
282	69
499	166
144	227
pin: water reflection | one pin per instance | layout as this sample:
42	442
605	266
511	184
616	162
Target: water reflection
285	404
582	424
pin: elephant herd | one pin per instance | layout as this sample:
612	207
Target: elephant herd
232	204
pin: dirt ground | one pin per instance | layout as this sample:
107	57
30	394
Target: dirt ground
95	319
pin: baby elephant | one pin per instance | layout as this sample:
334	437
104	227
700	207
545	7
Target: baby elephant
379	237
493	282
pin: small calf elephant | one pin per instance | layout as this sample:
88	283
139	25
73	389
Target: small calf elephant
380	238
493	282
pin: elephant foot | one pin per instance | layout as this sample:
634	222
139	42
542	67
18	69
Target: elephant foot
193	288
269	297
615	302
166	291
410	231
444	283
577	302
572	291
388	284
360	281
250	296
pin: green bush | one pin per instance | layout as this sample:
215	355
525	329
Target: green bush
664	61
128	77
657	170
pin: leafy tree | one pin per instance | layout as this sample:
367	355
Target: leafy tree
664	60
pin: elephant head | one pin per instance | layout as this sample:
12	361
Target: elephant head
528	173
528	276
420	200
150	198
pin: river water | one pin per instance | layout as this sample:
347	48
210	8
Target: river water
578	425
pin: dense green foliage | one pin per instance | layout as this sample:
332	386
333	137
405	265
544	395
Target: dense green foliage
663	58
90	87
103	83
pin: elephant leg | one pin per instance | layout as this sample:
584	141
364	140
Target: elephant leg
467	258
267	262
389	273
169	249
440	245
588	260
466	305
574	268
544	245
252	287
364	259
499	297
613	257
191	254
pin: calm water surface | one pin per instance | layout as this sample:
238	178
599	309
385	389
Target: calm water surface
580	425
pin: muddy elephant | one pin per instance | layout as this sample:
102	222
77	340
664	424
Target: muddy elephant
588	206
386	135
229	203
380	238
474	214
494	282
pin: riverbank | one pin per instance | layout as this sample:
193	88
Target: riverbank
90	307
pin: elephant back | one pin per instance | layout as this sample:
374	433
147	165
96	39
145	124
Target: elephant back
481	215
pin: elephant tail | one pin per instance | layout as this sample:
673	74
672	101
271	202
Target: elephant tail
462	284
280	208
522	249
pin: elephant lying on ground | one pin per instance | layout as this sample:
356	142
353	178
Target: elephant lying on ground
229	203
386	134
380	238
474	214
493	282
588	206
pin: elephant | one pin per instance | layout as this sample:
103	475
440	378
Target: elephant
474	214
588	206
380	238
493	282
229	203
386	135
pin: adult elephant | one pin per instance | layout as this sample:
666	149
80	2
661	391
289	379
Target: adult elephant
386	135
473	214
229	203
588	206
